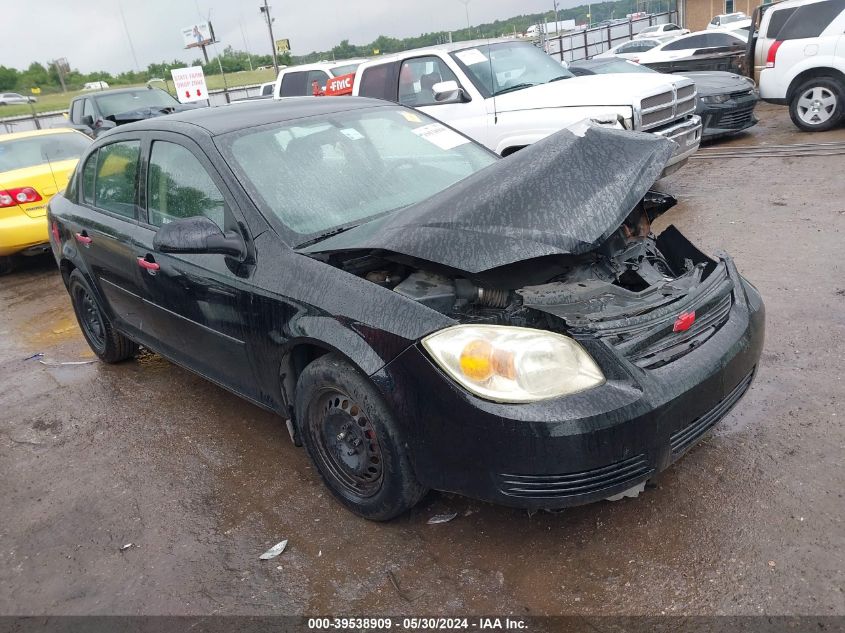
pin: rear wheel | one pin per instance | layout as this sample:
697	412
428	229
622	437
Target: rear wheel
354	440
108	344
817	105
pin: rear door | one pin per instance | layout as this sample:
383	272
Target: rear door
196	307
105	229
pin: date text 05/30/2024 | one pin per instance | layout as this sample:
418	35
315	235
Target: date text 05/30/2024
417	624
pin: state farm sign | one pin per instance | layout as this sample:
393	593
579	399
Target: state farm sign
190	84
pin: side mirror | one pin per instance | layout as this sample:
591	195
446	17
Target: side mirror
198	235
447	92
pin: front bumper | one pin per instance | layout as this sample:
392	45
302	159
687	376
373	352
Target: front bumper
731	117
581	448
687	136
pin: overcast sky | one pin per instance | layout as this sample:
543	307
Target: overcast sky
91	35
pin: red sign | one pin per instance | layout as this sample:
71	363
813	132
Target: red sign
684	322
342	85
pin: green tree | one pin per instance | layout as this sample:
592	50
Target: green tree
8	78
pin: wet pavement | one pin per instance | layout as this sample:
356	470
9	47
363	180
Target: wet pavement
200	483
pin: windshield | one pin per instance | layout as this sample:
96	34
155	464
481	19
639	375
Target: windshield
499	68
337	71
727	19
324	173
35	150
119	102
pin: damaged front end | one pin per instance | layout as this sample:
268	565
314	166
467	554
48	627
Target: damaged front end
558	239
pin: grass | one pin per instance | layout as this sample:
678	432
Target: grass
50	102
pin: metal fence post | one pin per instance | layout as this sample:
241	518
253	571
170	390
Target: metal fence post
586	45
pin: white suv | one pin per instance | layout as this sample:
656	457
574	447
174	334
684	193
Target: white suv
804	46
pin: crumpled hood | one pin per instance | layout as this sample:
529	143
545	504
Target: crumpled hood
564	195
141	114
717	82
588	90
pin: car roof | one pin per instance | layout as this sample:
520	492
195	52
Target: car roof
116	91
31	133
442	48
232	117
323	65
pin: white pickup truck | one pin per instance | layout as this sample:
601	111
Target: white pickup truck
508	94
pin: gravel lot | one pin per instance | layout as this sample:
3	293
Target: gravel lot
94	457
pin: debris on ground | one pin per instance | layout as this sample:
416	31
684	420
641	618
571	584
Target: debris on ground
50	363
274	551
442	518
38	355
126	547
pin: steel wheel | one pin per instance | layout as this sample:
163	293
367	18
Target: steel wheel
817	105
91	319
347	443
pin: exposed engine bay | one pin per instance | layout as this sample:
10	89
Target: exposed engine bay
628	290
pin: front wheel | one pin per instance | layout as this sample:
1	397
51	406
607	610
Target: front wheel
354	440
817	105
108	344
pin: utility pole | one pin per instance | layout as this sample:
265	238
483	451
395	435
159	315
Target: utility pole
466	8
556	15
60	71
265	9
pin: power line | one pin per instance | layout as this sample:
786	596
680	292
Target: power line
128	37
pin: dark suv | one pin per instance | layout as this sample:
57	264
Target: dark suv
95	113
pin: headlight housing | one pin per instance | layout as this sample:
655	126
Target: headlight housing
513	364
715	98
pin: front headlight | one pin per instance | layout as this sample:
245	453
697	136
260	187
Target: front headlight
513	364
715	98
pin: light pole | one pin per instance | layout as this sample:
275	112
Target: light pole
556	16
265	9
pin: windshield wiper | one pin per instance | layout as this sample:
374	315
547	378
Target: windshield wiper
512	88
326	235
559	78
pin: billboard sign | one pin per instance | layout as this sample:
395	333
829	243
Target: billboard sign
190	84
282	46
198	35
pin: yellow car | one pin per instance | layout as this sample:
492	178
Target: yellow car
33	167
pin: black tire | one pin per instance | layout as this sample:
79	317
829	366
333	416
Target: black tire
108	344
336	406
7	265
817	105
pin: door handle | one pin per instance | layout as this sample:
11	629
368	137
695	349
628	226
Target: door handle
83	238
150	267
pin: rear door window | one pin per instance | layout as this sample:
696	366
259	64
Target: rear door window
293	84
380	82
117	176
810	20
178	186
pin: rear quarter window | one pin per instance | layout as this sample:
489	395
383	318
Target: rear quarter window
810	20
776	22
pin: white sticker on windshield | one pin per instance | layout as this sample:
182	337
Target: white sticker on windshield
471	56
441	136
352	133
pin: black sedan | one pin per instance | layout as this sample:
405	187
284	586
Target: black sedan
726	101
422	313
